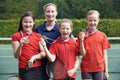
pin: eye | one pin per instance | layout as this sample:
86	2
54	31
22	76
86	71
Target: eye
95	20
30	21
90	20
25	21
47	11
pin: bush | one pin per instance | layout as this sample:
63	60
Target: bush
109	26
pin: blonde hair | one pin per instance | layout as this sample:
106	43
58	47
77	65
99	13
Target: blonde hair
67	21
49	4
90	12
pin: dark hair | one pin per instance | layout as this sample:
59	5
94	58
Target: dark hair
28	13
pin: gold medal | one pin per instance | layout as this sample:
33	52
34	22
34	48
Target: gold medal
44	37
26	41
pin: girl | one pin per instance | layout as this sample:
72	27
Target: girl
65	49
93	45
27	48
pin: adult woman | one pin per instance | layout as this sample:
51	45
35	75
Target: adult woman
49	29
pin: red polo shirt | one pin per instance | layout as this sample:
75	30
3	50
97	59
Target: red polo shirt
66	51
28	50
95	44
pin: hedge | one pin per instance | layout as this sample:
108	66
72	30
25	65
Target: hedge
109	26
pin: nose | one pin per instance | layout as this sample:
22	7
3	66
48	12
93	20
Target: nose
51	12
28	23
92	22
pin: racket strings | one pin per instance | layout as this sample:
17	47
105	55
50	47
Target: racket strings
59	70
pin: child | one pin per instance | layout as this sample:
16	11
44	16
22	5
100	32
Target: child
64	48
92	46
27	48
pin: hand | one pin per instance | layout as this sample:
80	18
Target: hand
82	35
23	40
31	61
106	75
71	72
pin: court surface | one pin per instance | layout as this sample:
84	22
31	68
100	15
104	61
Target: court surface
8	64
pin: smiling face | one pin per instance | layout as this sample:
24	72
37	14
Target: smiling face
92	21
50	13
65	30
27	23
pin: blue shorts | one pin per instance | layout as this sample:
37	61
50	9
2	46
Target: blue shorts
30	74
93	75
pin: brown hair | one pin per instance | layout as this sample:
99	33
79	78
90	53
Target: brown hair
28	13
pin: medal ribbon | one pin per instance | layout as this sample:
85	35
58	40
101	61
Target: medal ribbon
27	36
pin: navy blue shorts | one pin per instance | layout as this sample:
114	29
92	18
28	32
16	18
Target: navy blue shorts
93	75
30	74
44	62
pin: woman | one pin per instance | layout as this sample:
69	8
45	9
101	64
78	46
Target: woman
49	29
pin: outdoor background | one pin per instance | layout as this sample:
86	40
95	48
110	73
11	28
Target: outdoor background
11	10
75	9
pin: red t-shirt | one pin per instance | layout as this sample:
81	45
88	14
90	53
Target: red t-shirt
66	51
28	50
94	44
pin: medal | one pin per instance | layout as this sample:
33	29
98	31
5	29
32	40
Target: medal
44	37
27	41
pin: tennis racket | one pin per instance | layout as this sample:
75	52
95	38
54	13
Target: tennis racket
57	70
13	77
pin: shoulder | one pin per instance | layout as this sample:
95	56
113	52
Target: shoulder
56	41
101	33
37	34
72	41
16	36
56	25
40	26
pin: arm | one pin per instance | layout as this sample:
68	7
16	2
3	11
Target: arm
73	70
82	49
37	56
16	48
106	64
77	61
50	57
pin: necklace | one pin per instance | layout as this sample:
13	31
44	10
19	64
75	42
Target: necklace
27	36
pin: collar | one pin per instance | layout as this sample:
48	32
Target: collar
23	33
62	41
53	29
88	33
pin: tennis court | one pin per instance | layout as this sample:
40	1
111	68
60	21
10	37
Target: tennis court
8	64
